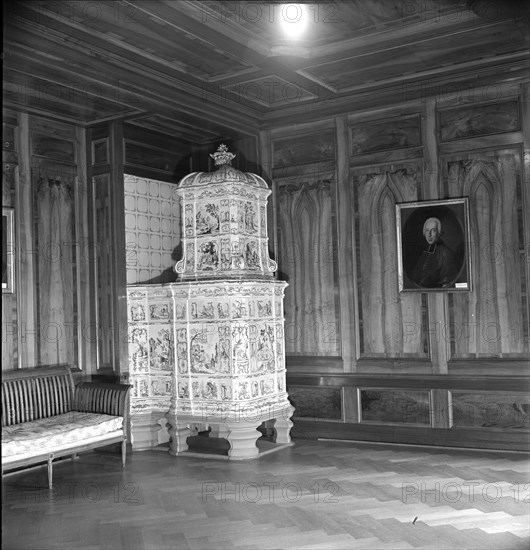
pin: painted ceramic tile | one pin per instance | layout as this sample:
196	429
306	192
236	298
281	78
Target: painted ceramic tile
207	219
208	256
242	367
195	389
161	386
204	351
252	258
264	308
224	215
190	254
161	348
188	227
263	221
140	405
161	312
240	343
250	218
134	391
183	390
223	310
138	350
223	350
243	390
225	391
180	311
240	309
280	355
226	254
208	390
137	312
182	357
265	344
240	217
267	386
205	310
143	387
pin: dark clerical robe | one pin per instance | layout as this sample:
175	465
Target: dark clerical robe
437	267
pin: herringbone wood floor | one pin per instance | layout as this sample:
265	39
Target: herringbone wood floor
313	495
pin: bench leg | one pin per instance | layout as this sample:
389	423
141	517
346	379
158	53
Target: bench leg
123	452
50	471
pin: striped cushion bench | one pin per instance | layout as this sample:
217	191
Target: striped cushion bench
46	416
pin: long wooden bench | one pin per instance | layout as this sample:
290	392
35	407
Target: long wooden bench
46	416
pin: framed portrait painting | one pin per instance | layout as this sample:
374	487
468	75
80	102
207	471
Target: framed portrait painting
433	246
8	250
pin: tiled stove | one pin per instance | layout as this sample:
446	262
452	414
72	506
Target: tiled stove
220	328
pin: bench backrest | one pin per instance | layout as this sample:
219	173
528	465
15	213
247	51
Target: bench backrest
32	394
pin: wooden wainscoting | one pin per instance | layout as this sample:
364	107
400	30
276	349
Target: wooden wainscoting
464	410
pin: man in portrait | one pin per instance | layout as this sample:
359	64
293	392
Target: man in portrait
437	266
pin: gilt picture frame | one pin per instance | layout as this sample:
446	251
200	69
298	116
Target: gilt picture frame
8	250
433	241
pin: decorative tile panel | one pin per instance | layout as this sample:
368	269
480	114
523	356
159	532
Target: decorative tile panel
152	227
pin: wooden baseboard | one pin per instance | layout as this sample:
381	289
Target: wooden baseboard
477	438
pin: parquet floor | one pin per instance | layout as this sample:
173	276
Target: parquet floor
315	495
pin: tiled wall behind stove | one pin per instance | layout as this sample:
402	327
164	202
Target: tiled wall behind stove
152	227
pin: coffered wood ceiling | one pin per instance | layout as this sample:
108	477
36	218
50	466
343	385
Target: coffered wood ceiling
204	70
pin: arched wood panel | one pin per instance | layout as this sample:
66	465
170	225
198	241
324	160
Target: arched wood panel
391	325
307	246
492	320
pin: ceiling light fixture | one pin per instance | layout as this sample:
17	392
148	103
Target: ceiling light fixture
293	20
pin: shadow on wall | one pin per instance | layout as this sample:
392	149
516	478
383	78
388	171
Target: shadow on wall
168	275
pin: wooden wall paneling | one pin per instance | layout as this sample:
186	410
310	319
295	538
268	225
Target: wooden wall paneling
304	149
495	141
307	237
477	438
103	287
10	171
120	325
294	130
54	191
265	171
437	302
108	267
391	324
479	119
346	239
383	135
345	247
524	252
84	319
495	409
350	400
54	156
53	147
492	320
100	243
247	153
152	155
25	251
